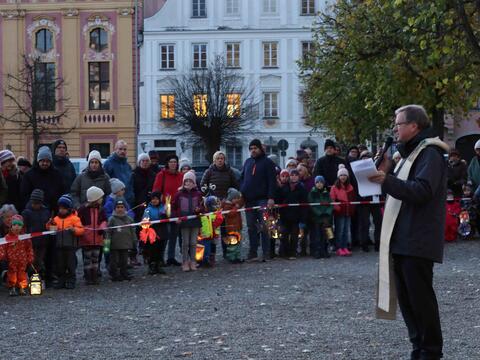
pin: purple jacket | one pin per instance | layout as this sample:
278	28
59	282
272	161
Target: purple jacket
185	203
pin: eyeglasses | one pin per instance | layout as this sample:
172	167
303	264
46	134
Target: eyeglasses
399	124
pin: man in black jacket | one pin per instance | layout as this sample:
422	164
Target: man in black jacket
62	163
418	234
327	165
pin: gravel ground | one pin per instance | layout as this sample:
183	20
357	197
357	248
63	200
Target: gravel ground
302	309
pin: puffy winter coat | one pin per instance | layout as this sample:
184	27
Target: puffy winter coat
327	166
85	180
320	212
92	218
187	203
233	220
124	238
69	228
35	221
223	179
259	179
13	180
117	167
293	195
168	183
344	194
18	254
66	168
142	183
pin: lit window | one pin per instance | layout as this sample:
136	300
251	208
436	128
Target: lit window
270	105
98	40
233	105
167	107
270	54
44	40
233	55
200	105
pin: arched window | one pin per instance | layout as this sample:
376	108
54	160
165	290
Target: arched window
98	39
44	40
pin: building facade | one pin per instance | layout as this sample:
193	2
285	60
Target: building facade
89	45
261	39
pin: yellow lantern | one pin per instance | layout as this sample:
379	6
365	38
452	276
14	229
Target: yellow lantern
200	251
168	206
35	284
232	238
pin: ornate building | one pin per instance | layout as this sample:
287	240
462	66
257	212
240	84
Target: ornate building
89	45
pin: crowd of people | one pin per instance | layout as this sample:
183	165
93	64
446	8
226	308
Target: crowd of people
93	210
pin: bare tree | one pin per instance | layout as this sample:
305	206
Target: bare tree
214	106
33	91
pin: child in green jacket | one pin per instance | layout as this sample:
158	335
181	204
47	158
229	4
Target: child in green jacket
321	218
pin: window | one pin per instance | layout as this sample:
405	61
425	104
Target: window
199	9
167	107
200	105
270	57
233	105
44	87
308	7
270	105
235	156
102	148
44	41
232	7
199	56
198	156
233	55
269	6
165	143
98	40
167	56
271	150
99	85
307	50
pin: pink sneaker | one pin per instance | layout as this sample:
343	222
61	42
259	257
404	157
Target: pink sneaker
340	252
347	252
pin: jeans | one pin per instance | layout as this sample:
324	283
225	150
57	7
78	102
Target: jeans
342	231
256	229
318	241
172	233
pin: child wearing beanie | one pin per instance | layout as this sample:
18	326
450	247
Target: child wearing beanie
154	252
18	254
342	191
321	216
94	218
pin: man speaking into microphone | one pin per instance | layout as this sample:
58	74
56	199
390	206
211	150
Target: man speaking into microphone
412	235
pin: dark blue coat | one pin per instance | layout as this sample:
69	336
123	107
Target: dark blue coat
258	179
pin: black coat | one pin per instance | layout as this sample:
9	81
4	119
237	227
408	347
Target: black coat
142	183
259	179
66	168
293	215
50	181
457	176
13	180
223	179
327	166
420	226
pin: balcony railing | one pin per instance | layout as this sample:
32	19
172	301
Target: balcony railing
98	118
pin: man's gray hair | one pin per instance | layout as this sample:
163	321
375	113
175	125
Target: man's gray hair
8	208
415	113
120	143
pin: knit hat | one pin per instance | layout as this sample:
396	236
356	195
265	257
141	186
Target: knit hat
58	142
301	154
120	201
342	170
6	155
233	193
477	145
142	156
290	162
116	185
218	153
94	154
44	153
65	201
23	162
37	195
156	194
94	193
190	175
257	143
170	157
17	220
329	142
284	172
184	162
319	178
153	154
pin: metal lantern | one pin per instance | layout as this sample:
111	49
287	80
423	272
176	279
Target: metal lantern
36	284
199	253
271	218
329	233
232	238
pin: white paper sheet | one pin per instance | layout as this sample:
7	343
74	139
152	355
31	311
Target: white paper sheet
362	169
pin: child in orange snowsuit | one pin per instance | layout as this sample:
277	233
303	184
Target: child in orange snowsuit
19	255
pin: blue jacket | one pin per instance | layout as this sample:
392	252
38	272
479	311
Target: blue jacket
155	212
258	179
36	220
119	168
110	206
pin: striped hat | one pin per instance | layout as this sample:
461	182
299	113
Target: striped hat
6	155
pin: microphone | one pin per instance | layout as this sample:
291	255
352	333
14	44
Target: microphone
388	143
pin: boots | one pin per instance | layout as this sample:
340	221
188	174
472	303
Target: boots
193	265
88	277
152	268
186	266
94	277
211	260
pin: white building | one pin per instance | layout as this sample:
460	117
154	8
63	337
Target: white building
263	39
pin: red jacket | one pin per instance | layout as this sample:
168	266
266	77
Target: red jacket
19	254
168	183
343	195
92	218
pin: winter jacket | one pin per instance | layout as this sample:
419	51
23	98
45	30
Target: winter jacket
13	180
49	180
327	166
18	254
210	225
109	206
474	172
344	194
223	179
69	228
117	167
66	168
142	184
319	213
308	183
92	218
258	179
84	181
168	183
157	213
457	177
35	221
121	238
187	203
419	228
233	220
295	195
3	190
